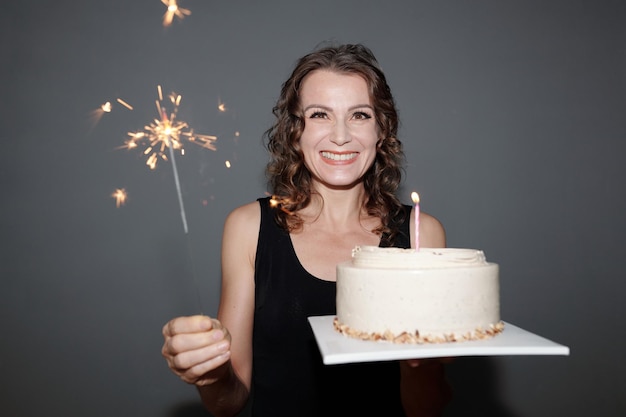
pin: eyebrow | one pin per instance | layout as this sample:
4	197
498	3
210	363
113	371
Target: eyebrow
319	106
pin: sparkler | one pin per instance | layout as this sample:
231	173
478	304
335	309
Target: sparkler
173	11
161	139
164	136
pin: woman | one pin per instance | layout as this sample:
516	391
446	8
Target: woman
335	166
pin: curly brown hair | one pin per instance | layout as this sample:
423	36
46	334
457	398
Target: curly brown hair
289	179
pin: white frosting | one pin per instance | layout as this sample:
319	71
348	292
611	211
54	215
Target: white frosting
397	258
431	292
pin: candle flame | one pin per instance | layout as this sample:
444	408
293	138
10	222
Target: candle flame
415	197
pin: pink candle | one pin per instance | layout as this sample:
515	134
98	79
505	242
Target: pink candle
416	199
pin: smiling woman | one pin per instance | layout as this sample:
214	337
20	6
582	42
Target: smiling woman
512	124
334	170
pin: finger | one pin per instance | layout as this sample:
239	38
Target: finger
190	324
201	374
190	362
413	363
187	342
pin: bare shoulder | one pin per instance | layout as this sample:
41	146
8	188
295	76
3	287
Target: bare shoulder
432	232
241	229
245	216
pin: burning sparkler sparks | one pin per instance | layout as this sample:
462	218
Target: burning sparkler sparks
281	203
120	196
125	104
173	10
165	135
106	107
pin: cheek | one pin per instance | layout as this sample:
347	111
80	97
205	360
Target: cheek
307	146
305	142
311	135
369	138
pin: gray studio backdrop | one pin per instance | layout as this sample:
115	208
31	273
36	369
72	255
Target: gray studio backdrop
514	122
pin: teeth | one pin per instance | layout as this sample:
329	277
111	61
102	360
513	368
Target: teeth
339	157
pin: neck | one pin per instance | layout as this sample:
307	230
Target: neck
337	208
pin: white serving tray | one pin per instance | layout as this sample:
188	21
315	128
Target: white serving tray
337	348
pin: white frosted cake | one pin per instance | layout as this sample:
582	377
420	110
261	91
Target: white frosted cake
425	296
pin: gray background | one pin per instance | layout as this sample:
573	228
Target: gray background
513	120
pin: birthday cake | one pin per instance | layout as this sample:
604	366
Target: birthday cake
418	296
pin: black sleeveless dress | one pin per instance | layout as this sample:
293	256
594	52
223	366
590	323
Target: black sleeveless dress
289	377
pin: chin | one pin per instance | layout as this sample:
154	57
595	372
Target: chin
342	184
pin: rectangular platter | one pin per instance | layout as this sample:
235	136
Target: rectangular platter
337	348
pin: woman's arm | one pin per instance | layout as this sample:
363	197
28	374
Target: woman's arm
216	354
424	389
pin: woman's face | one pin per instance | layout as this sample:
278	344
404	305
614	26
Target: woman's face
340	131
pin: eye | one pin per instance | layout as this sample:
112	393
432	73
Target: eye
361	115
318	115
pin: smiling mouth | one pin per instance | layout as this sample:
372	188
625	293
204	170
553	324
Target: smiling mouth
339	156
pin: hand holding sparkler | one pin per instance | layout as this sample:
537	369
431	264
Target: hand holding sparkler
203	338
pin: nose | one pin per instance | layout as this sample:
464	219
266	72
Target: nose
341	133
